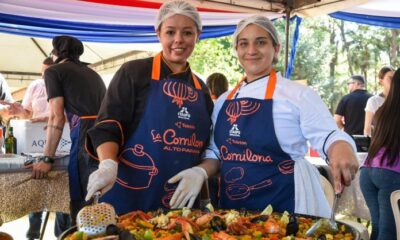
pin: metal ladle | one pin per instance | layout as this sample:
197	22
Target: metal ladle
324	225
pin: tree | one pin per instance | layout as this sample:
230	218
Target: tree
216	55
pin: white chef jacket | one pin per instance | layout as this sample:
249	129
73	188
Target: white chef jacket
299	115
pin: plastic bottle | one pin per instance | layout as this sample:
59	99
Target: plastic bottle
11	142
2	151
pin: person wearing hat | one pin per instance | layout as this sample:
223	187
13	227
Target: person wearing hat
350	114
260	134
154	121
77	90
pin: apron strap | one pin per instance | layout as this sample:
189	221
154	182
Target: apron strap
230	96
269	91
196	82
156	71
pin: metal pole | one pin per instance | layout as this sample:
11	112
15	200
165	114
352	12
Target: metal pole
287	33
46	219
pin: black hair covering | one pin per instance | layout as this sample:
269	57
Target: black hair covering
67	47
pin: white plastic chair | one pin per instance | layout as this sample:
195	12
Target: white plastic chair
330	195
394	199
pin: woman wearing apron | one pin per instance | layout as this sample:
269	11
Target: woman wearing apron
154	122
261	129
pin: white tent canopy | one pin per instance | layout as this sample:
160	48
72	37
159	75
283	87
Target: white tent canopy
22	54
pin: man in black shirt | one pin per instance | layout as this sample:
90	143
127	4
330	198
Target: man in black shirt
78	90
350	113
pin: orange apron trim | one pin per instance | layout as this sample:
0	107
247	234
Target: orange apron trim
88	152
119	126
105	121
88	117
156	71
196	82
230	96
269	91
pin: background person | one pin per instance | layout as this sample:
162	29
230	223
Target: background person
217	84
380	174
78	90
260	133
385	78
35	107
154	121
350	109
5	96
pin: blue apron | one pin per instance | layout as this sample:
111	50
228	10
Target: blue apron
169	138
255	170
81	165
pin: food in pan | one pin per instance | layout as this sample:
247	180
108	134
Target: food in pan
213	225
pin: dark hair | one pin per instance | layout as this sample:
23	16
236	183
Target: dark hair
217	83
358	78
384	70
387	130
48	61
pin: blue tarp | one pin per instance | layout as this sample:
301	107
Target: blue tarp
92	32
387	22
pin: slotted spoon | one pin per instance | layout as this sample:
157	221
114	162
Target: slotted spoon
93	220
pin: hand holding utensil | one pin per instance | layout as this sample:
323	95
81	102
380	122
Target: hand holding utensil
324	225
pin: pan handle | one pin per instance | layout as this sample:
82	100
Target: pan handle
96	197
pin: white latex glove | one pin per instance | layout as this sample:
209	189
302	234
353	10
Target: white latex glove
103	178
190	183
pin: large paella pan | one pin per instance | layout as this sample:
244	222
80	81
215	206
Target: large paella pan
212	225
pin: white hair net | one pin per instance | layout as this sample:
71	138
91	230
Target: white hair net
172	8
260	21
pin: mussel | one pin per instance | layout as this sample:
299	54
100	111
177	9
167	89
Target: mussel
217	223
293	226
162	211
243	212
126	235
259	218
112	229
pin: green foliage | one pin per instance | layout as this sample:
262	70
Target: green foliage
216	55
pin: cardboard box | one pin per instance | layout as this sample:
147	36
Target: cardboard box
31	137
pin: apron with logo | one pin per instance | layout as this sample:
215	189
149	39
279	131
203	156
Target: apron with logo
169	138
255	170
81	165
